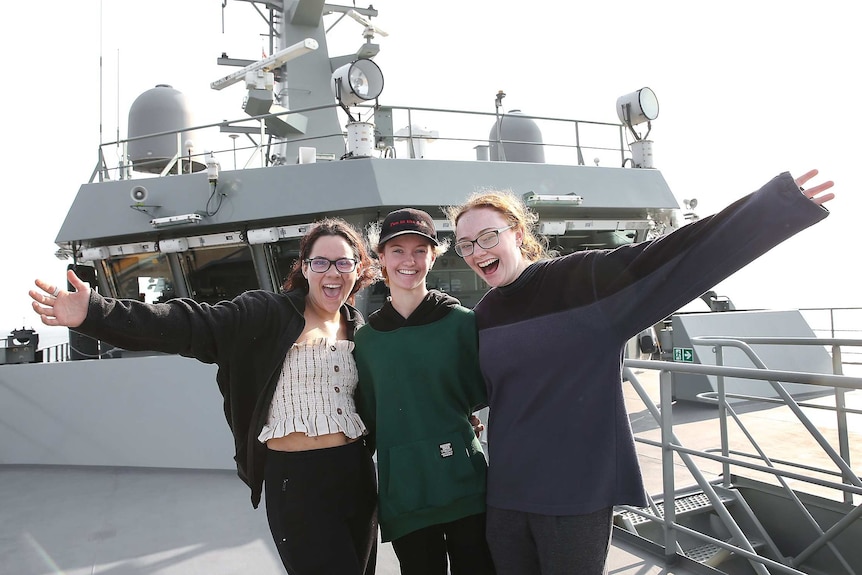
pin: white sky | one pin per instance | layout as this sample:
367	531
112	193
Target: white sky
746	90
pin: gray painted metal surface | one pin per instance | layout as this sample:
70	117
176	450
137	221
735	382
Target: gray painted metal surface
777	323
127	521
300	193
159	411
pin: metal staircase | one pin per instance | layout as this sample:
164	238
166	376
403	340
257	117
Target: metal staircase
695	511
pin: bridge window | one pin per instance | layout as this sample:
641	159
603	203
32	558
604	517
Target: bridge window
285	253
145	277
219	273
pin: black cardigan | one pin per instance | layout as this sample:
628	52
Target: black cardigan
247	338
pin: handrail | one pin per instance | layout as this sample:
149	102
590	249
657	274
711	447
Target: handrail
242	125
671	446
742	343
56	353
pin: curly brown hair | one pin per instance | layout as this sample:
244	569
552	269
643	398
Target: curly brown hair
333	227
534	247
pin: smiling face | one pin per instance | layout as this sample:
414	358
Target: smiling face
499	265
407	259
328	291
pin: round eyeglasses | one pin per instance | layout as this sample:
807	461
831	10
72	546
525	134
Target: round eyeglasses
321	265
486	240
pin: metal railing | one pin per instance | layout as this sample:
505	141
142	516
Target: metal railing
467	129
837	322
55	353
720	493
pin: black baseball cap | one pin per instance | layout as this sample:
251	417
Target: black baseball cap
408	221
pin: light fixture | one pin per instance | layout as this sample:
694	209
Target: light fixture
548	228
262	236
357	82
607	225
636	108
636	225
212	240
131	249
176	220
532	199
93	254
296	231
173	245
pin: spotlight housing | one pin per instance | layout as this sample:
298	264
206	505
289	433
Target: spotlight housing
357	82
638	107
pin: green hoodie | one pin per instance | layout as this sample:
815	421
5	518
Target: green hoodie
419	382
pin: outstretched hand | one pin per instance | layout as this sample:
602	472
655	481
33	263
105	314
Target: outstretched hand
814	194
56	306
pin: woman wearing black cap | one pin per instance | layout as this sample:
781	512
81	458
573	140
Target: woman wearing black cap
419	383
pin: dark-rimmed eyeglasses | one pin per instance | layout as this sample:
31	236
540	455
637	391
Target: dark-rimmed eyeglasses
486	241
321	265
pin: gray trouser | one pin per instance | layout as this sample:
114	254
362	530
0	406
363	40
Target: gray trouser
531	544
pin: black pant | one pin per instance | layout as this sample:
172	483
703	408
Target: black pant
424	552
322	509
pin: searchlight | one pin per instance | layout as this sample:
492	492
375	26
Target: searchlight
357	82
634	109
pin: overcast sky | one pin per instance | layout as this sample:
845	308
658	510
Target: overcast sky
746	90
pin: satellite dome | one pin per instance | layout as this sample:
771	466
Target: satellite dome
515	127
160	109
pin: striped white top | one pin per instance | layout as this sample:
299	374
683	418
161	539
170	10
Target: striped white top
315	392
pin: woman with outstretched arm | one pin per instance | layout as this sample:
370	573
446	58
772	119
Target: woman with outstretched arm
287	374
552	333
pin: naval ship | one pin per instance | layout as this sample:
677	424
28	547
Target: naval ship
120	462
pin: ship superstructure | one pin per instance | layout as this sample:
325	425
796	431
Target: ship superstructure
209	211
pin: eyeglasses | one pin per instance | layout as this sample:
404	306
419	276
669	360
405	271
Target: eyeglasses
321	265
486	241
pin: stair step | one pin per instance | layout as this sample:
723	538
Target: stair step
685	505
708	554
712	555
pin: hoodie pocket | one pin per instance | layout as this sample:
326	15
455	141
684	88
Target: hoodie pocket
431	473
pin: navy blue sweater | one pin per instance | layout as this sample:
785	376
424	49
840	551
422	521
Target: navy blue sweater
551	350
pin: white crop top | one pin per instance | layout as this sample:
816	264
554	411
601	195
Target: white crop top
315	392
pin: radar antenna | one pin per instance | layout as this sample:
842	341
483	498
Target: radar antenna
370	29
265	66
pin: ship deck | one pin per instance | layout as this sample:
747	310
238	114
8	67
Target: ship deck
124	521
79	520
84	520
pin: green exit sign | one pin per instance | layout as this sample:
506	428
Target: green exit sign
683	354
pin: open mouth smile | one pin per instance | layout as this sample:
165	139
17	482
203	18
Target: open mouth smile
488	266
